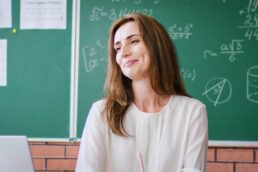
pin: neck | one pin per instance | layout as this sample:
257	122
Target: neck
146	99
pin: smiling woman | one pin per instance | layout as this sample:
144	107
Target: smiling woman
131	53
147	121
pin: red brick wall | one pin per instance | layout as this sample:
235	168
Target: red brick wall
224	159
54	156
61	156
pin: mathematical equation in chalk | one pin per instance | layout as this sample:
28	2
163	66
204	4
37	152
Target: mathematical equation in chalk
92	55
99	13
188	74
231	49
137	2
250	23
180	32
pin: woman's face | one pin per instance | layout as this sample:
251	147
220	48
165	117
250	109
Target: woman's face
131	53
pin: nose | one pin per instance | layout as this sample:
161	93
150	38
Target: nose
125	50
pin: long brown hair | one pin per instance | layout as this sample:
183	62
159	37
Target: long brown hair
165	76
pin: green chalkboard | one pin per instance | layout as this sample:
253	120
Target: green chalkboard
217	43
36	100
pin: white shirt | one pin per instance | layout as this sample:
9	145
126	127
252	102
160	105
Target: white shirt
172	140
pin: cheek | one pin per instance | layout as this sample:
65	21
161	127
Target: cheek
118	60
143	52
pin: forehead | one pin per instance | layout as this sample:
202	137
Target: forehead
126	30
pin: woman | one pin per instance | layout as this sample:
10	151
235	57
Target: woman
146	122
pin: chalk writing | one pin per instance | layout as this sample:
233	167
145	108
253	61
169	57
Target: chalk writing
218	90
233	48
137	2
188	74
250	24
91	56
209	53
98	13
252	84
230	49
179	32
114	1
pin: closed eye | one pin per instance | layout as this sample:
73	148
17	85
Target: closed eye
117	49
134	41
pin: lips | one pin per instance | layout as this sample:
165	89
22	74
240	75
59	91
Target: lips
129	63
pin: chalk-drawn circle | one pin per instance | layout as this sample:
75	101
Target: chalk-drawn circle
218	90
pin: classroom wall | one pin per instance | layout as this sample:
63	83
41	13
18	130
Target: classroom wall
62	156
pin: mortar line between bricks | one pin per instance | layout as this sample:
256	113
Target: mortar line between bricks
65	155
249	163
254	155
45	168
215	154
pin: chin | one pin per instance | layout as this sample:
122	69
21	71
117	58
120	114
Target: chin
128	75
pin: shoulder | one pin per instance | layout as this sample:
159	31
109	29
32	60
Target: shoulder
99	104
187	106
190	109
96	111
187	102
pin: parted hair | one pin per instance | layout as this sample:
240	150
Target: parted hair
165	76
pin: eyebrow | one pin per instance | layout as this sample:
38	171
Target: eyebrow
128	37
